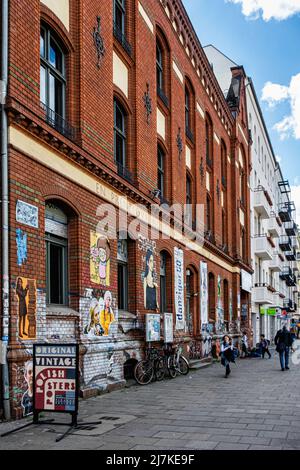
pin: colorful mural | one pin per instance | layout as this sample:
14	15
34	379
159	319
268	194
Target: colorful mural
100	315
27	295
21	241
99	259
27	398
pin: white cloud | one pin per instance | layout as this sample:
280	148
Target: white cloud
273	94
296	199
268	9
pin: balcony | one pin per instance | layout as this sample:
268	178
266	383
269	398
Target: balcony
261	203
121	38
275	263
295	266
273	227
59	123
295	243
289	305
261	294
262	247
291	228
290	255
285	211
286	273
285	243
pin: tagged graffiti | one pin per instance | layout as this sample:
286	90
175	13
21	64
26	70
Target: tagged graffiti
26	293
99	259
21	241
27	398
100	316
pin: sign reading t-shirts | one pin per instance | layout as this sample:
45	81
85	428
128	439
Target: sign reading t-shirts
179	288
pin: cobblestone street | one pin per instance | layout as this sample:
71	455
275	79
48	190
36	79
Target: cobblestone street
258	407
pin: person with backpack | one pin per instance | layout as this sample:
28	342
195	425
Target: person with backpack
245	345
264	346
227	354
283	342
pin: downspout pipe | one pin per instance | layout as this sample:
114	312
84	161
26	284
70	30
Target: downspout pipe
5	211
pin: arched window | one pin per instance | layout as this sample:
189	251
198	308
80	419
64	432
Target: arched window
159	67
56	235
187	109
166	289
161	171
212	298
119	135
224	165
209	141
52	74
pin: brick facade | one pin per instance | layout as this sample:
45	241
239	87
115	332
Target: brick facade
80	173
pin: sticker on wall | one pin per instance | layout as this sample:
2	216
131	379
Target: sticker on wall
21	241
27	398
101	315
99	259
152	327
26	293
27	214
168	328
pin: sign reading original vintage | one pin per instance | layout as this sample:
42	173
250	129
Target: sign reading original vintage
55	371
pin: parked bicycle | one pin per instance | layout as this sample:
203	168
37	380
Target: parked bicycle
150	368
177	363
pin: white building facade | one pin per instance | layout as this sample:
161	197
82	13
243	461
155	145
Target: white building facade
274	240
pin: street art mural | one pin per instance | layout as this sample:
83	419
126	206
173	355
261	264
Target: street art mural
149	275
220	326
27	298
179	288
27	214
99	259
27	398
152	327
21	241
101	314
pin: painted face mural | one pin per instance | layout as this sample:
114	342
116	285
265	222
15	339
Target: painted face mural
150	286
27	398
26	293
101	315
99	259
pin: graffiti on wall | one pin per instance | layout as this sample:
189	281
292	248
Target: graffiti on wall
149	275
179	288
27	214
101	314
99	259
152	327
21	241
27	398
220	327
27	298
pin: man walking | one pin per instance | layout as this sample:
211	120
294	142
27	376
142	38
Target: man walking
283	342
264	345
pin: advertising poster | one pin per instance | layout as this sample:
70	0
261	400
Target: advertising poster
203	293
55	377
26	293
168	328
179	288
152	327
99	259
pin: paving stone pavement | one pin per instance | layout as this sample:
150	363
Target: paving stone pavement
257	407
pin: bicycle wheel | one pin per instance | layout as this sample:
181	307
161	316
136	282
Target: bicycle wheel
171	366
183	365
144	372
159	369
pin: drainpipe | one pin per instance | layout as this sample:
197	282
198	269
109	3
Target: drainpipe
5	213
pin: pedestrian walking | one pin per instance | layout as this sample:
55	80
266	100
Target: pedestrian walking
283	342
264	346
227	354
244	345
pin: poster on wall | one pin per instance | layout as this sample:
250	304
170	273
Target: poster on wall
27	214
168	328
149	281
179	288
203	293
55	371
27	300
152	327
99	259
100	315
27	397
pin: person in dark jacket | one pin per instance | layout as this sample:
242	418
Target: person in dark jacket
227	354
264	346
283	342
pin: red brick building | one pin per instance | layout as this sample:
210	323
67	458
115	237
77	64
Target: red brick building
115	103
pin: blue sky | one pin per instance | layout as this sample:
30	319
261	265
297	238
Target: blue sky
269	50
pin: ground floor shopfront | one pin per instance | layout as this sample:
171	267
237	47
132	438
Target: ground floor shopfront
77	277
267	322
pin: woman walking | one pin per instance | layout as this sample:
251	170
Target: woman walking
226	354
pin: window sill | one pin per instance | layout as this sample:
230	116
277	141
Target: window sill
57	310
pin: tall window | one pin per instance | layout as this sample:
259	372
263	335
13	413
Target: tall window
159	68
56	227
119	135
161	171
187	109
208	213
52	72
122	258
208	142
224	164
119	15
189	211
